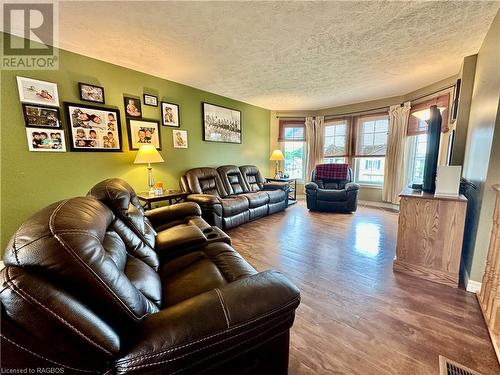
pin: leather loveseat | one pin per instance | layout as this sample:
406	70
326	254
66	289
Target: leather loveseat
85	293
230	196
332	194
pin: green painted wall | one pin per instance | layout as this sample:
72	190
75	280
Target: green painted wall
32	180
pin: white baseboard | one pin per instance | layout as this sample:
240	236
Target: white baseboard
471	285
379	204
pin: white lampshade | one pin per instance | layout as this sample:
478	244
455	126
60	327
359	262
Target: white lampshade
277	155
425	114
148	154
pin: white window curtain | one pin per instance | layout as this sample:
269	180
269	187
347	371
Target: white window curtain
394	158
314	142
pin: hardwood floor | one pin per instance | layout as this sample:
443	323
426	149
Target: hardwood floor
356	315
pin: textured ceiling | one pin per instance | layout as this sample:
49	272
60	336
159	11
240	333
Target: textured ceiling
283	55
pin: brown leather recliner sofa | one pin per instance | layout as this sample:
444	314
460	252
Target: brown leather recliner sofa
88	288
230	196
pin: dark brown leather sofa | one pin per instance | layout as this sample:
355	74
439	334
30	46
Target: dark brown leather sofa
230	196
84	292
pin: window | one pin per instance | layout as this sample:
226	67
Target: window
369	171
371	146
292	136
335	160
294	159
336	143
417	149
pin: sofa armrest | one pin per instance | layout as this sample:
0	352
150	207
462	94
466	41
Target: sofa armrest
350	186
311	186
204	199
161	215
241	314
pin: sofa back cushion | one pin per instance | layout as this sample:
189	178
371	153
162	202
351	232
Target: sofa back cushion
121	198
83	249
252	177
205	181
232	179
332	183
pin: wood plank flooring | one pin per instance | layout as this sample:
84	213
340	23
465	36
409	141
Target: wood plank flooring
357	316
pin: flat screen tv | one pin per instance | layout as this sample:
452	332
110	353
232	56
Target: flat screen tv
432	152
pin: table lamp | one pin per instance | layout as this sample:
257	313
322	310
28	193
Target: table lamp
148	154
277	155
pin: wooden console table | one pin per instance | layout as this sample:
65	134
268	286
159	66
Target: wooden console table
489	296
430	235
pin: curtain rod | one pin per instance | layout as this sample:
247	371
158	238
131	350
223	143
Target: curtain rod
374	109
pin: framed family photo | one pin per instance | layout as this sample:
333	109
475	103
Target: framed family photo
150	100
221	124
91	93
35	91
93	128
132	106
180	138
143	132
42	117
170	114
46	140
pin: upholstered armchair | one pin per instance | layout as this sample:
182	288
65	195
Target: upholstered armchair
331	189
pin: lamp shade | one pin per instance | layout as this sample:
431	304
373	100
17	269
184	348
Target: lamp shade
425	114
148	154
277	155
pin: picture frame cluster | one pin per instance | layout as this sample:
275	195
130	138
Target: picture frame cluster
97	127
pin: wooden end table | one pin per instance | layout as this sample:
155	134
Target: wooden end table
175	196
292	184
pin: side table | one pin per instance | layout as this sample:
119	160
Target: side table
170	196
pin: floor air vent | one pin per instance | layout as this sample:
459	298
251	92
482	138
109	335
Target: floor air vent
449	367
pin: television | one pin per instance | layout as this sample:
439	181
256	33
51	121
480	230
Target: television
432	151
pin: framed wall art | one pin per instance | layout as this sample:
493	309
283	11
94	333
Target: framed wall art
150	100
46	140
37	92
170	114
41	117
180	138
93	128
132	106
221	124
91	93
142	132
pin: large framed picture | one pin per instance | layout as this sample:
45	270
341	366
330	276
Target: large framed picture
37	92
143	132
91	93
132	106
170	114
180	138
221	124
41	117
93	128
46	140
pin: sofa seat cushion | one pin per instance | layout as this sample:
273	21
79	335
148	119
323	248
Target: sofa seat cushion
331	195
181	236
197	272
256	198
234	205
276	196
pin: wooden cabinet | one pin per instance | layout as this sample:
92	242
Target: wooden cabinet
489	296
430	234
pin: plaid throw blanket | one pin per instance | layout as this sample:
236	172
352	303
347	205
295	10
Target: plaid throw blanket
332	171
